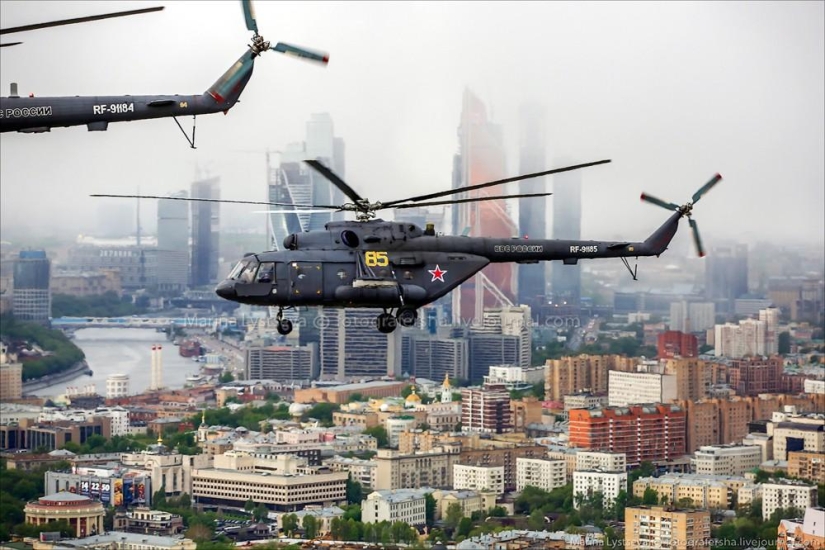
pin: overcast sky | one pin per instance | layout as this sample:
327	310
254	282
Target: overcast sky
672	92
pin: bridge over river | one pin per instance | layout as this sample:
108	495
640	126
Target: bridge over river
193	322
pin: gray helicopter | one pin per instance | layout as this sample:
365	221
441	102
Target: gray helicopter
400	267
41	114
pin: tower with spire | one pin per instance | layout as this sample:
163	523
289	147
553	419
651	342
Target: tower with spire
446	390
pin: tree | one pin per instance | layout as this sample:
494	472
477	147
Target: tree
289	524
464	527
429	509
380	435
310	525
650	497
249	505
538	390
226	378
159	498
405	393
261	512
355	493
355	398
453	516
199	533
497	512
536	520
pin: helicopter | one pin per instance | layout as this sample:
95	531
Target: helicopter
400	267
41	114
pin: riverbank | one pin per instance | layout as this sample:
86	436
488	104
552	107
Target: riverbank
77	369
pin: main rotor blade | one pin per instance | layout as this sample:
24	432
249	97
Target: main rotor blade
191	199
249	15
10	44
659	202
497	182
696	239
61	22
705	188
336	181
303	53
475	199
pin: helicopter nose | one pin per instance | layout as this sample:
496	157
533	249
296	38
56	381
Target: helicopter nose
226	290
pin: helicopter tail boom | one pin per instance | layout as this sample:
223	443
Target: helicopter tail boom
540	250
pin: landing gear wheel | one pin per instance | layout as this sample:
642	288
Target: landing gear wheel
284	326
406	316
386	323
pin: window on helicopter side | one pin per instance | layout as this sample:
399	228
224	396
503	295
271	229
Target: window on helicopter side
266	273
236	271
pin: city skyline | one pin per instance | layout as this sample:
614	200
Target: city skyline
624	92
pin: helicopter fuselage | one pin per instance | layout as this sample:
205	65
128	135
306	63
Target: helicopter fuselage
380	264
41	114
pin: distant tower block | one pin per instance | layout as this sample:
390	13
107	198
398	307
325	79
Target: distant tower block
117	385
157	368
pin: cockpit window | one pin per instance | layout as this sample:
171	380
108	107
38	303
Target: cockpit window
248	273
237	269
266	273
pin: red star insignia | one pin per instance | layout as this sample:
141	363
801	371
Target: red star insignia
437	273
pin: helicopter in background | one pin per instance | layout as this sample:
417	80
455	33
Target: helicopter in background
399	267
41	114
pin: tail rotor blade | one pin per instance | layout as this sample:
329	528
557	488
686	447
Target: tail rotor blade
303	53
705	188
696	239
659	202
249	15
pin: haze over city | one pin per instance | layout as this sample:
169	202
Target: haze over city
671	92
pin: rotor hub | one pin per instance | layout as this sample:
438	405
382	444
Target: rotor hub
686	209
258	44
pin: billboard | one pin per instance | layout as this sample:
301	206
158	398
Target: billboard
118	493
94	488
84	487
105	491
128	490
140	494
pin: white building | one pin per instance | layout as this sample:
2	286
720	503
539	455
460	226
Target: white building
406	505
628	388
791	430
117	385
814	386
119	419
396	425
586	483
515	378
362	471
770	317
692	316
479	478
605	461
787	494
541	473
726	460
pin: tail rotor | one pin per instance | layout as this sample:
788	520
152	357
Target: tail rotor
686	210
259	45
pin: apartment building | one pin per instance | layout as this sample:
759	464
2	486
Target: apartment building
589	482
657	527
726	460
404	505
479	478
787	494
542	473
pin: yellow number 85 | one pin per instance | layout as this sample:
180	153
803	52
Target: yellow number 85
376	259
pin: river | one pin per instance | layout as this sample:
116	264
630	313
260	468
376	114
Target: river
125	351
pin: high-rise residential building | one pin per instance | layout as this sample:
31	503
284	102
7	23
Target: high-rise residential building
693	377
726	460
481	158
587	483
539	472
351	347
510	321
631	388
567	215
692	316
770	316
799	298
206	225
486	410
755	375
32	295
11	375
532	284
726	276
117	385
658	527
643	432
573	375
280	363
478	478
786	494
173	244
